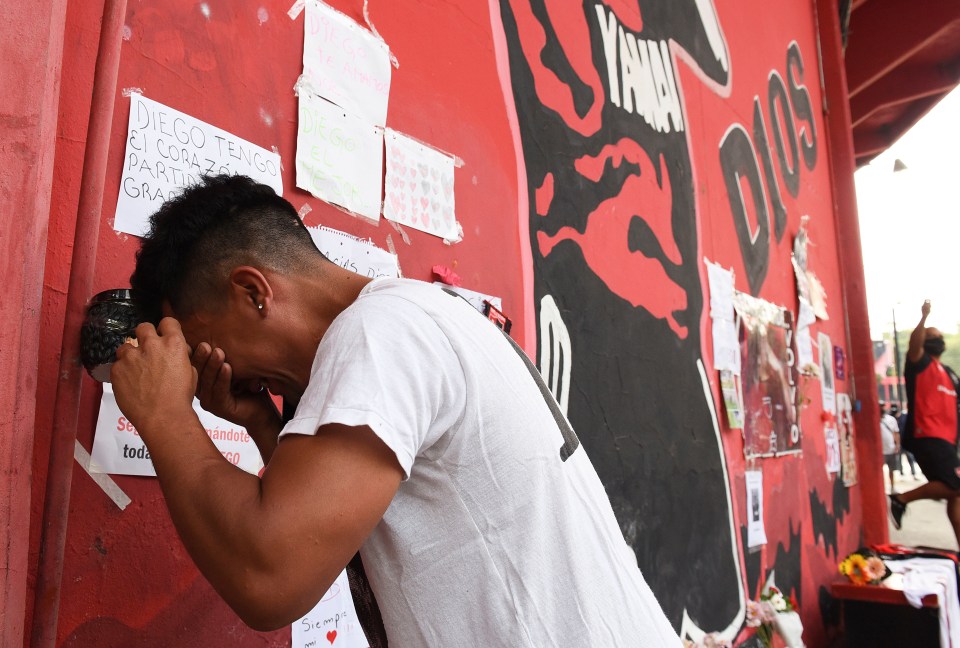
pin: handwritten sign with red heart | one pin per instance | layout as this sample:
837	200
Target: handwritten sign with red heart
421	193
333	618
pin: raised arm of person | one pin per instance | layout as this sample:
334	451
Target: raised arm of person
915	350
270	546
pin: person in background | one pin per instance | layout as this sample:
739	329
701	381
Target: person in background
890	440
423	438
901	417
931	429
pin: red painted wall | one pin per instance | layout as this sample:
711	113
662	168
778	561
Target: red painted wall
127	580
32	36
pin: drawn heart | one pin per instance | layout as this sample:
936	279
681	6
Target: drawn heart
424	202
400	168
395	181
426	218
447	192
424	169
413	186
332	636
413	172
435	174
436	189
434	205
426	187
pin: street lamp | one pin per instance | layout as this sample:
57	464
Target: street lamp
896	356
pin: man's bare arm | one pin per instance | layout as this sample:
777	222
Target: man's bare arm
915	350
270	546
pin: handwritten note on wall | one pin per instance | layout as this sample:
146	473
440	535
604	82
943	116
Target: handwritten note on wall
339	157
119	450
332	622
168	150
346	64
419	187
356	254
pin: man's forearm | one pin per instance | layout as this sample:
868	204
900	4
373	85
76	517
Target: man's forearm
214	506
915	349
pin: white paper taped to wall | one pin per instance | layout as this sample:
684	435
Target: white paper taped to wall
353	253
168	150
419	187
345	63
339	156
119	450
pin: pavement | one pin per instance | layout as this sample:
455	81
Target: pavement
925	523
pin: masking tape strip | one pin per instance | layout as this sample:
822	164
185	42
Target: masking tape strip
103	480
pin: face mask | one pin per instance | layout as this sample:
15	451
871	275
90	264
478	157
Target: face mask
934	346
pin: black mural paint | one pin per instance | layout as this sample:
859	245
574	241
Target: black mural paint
777	95
829	608
800	99
776	200
739	163
787	566
636	396
751	564
824	524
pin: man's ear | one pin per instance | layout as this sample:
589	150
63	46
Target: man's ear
250	290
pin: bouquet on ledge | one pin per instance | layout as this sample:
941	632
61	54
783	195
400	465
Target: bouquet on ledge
864	567
772	615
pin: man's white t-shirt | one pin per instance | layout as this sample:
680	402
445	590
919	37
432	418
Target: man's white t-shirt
888	427
491	540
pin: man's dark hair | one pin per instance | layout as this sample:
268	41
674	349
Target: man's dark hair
198	237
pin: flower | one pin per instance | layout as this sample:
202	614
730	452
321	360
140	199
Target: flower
863	567
762	613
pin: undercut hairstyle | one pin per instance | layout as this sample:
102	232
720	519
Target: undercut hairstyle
198	237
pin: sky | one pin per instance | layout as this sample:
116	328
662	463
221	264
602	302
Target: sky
910	224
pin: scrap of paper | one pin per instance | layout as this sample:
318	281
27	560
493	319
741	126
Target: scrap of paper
353	253
332	622
119	450
168	150
726	343
833	448
339	157
419	187
827	388
756	535
476	299
732	401
345	63
805	317
818	297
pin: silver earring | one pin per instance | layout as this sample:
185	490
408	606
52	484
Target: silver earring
260	306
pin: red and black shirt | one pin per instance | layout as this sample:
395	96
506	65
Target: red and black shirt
932	399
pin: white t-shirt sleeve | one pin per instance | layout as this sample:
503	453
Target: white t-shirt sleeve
386	364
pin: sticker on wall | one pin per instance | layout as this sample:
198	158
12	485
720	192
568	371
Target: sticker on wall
119	450
418	188
168	150
769	377
339	156
332	622
832	439
726	345
805	317
827	387
353	253
346	64
756	534
732	401
839	363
